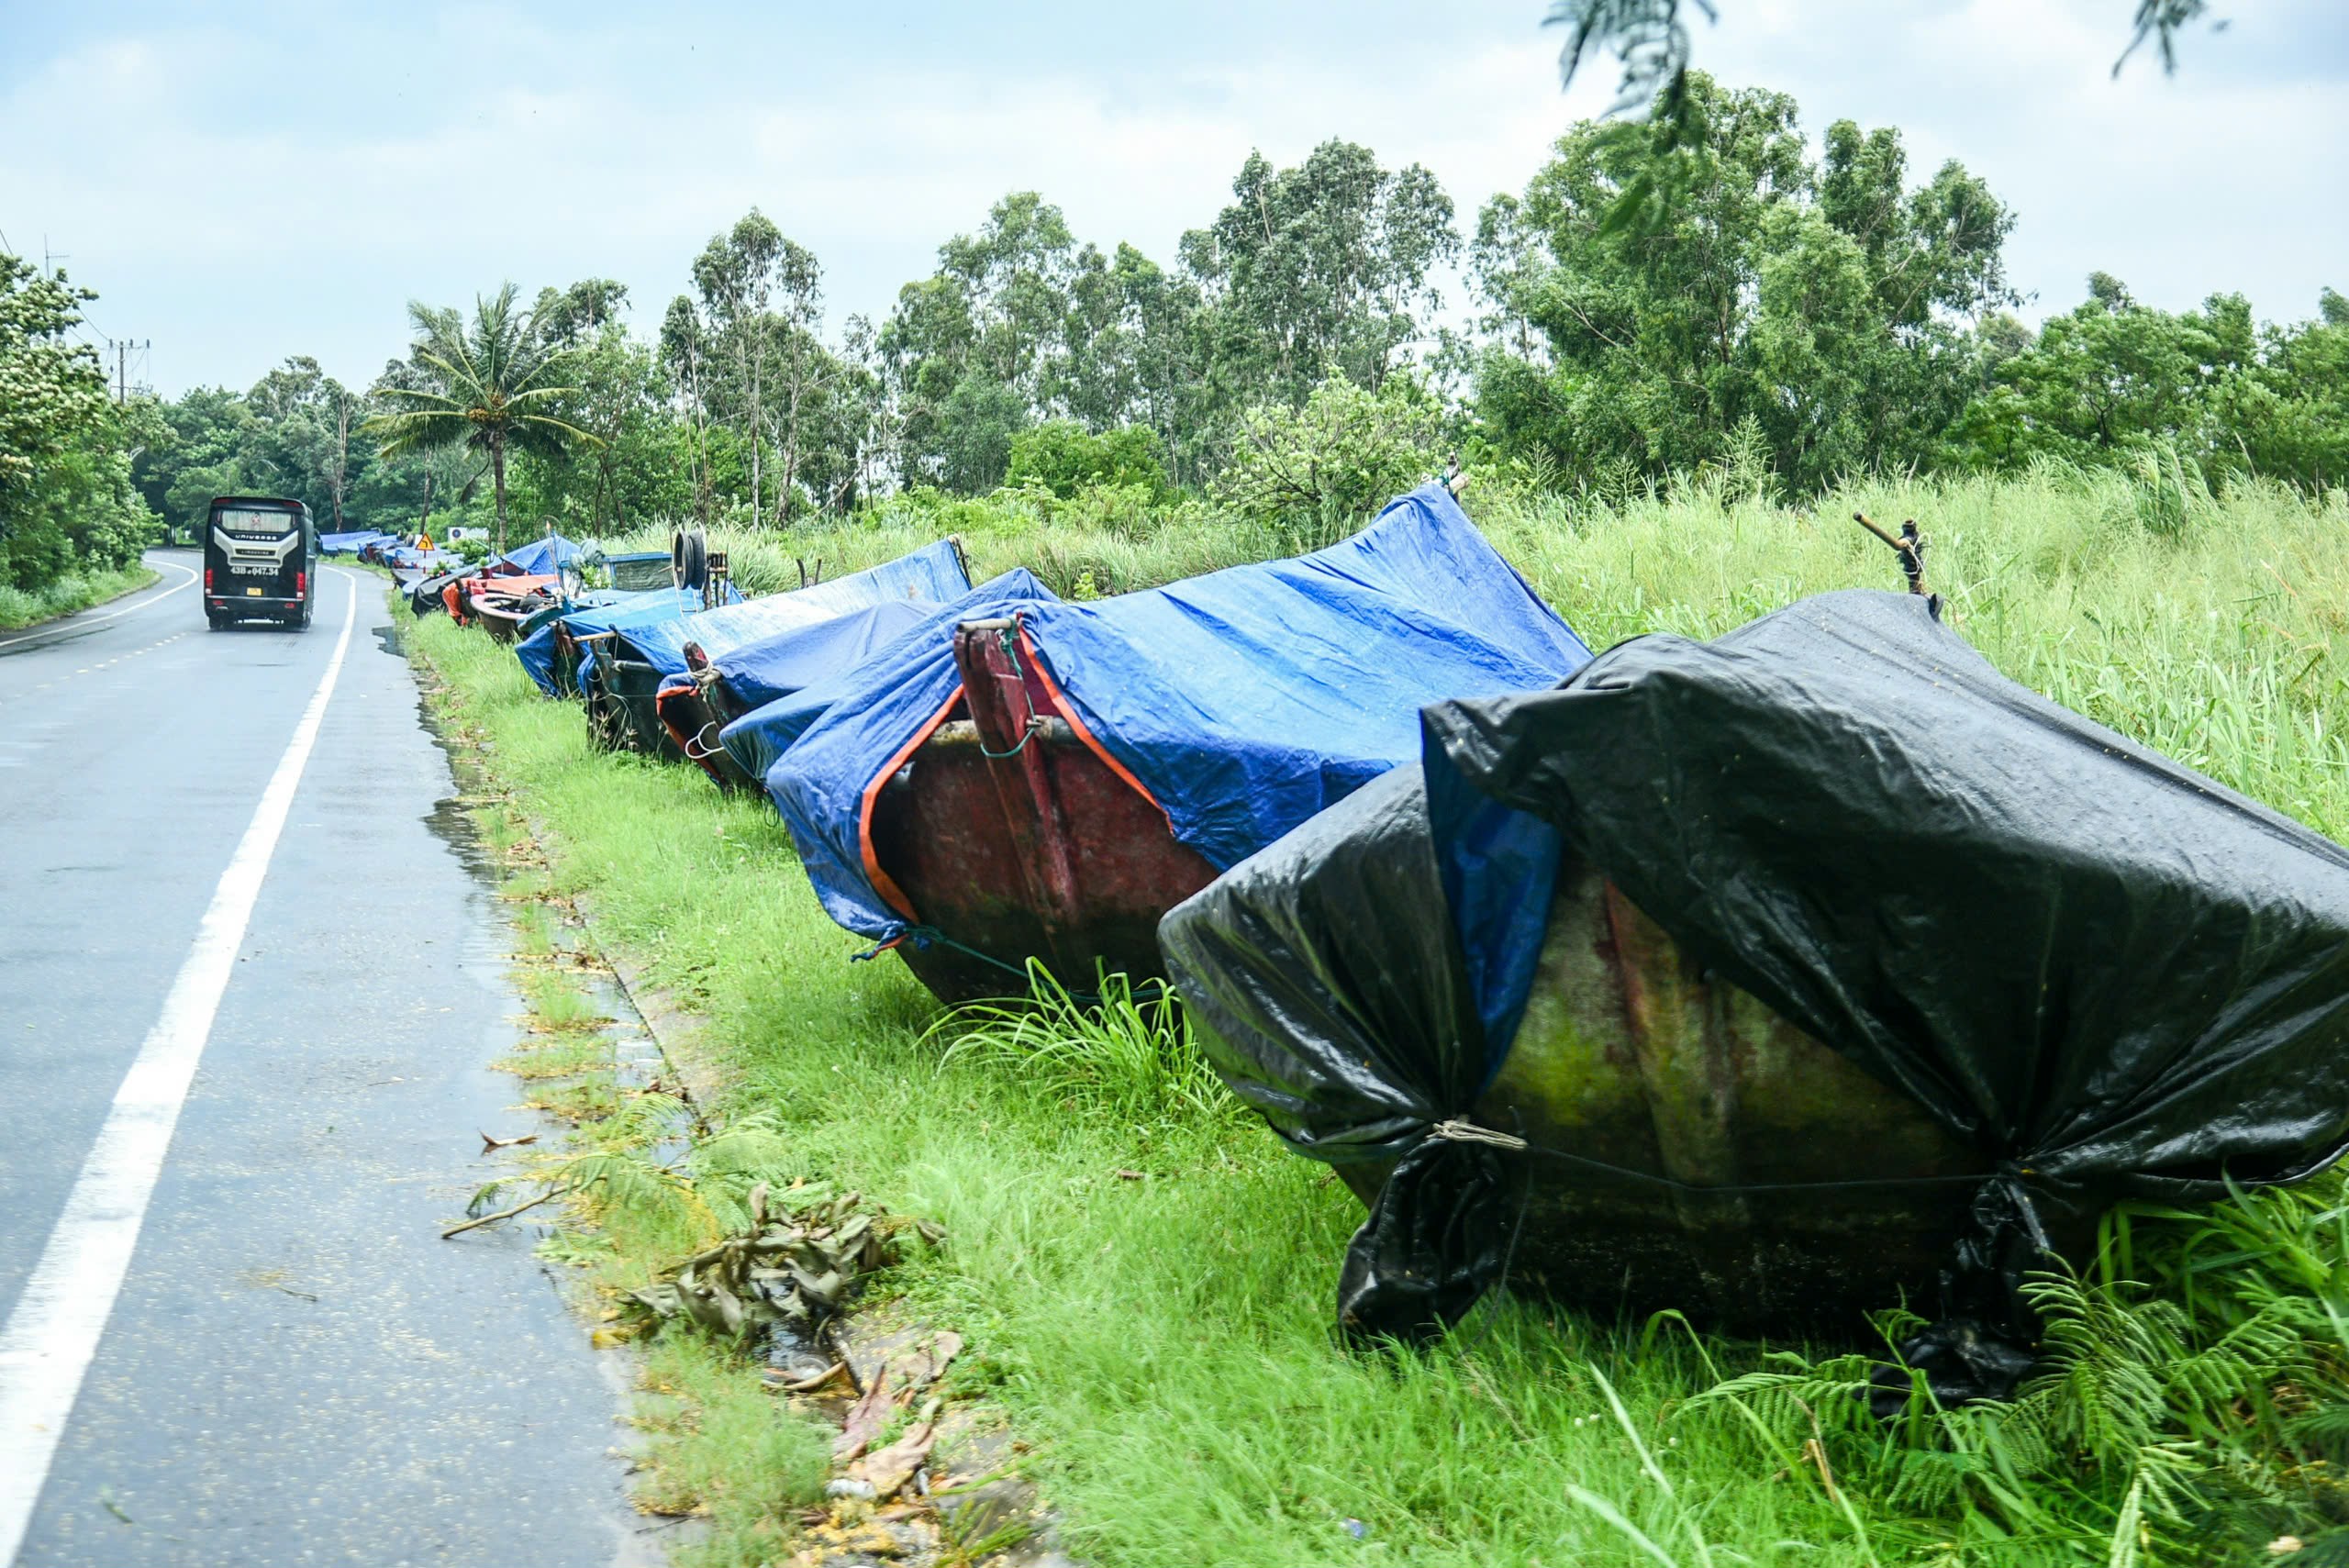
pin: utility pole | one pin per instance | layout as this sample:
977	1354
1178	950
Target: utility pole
122	347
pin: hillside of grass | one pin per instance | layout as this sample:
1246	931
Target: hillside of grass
1147	1278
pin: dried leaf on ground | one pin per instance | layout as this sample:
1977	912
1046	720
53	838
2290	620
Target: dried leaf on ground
890	1468
866	1417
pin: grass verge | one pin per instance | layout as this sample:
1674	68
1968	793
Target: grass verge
77	591
1145	1278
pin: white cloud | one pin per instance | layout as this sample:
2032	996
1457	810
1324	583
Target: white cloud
234	223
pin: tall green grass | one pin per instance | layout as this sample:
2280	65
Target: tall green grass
1147	1278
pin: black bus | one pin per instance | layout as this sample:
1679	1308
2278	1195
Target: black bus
261	560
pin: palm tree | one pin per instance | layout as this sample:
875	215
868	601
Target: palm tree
492	387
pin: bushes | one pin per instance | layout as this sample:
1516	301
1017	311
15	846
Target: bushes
75	591
1313	474
1063	457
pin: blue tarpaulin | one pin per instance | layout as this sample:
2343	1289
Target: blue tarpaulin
930	575
537	650
896	672
352	543
406	557
541	557
776	667
1245	701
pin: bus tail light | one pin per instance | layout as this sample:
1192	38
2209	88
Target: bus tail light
301	585
207	579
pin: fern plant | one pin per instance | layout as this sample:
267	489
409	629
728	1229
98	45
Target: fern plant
2190	1418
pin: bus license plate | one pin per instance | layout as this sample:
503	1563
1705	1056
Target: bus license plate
253	569
254	592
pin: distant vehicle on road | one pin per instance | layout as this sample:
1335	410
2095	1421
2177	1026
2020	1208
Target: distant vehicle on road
261	560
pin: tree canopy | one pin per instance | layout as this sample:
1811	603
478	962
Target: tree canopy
493	386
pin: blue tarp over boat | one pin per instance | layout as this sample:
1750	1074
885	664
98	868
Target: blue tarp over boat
784	666
1244	701
537	650
542	556
930	575
757	738
407	558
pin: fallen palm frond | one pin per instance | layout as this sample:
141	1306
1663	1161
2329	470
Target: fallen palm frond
793	1269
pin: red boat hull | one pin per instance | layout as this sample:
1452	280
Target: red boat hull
1007	828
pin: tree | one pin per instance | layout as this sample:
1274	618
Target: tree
641	463
297	437
50	389
982	348
2114	381
1650	38
1136	355
194	456
1326	267
1312	475
492	386
738	277
1829	303
66	499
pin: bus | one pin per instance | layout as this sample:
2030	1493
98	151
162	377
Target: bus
261	560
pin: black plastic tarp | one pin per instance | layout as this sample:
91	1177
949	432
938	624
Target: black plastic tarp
2109	975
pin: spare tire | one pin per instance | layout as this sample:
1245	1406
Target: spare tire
689	559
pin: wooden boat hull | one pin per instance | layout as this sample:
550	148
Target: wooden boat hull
622	711
501	604
1010	831
1631	1056
691	716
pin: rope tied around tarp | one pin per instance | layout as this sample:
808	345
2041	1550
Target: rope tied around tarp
1025	736
1460	1130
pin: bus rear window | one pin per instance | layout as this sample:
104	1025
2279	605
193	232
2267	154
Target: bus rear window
271	520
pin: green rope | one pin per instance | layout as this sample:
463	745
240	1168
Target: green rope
1026	735
1008	639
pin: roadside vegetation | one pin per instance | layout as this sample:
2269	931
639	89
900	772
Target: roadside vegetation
64	595
1145	1276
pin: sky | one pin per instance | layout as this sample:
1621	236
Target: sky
245	182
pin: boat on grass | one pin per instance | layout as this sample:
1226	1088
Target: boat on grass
1027	779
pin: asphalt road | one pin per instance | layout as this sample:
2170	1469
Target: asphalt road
292	1367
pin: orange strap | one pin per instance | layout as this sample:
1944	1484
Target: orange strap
882	882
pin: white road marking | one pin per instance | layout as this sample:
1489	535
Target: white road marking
51	1337
72	622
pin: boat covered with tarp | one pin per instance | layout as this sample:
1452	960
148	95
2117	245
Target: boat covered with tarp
623	690
554	651
543	557
713	691
778	640
756	740
1041	779
1775	979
